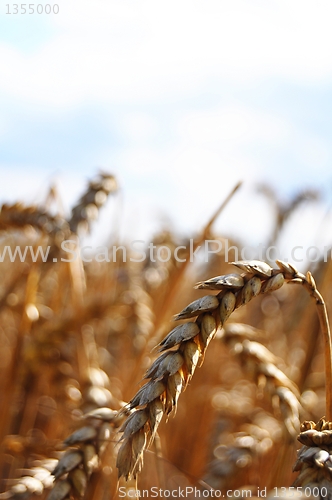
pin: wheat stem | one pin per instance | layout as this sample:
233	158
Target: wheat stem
325	327
309	283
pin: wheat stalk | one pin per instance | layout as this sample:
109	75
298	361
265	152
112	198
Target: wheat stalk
185	346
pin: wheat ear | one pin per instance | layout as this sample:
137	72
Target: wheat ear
314	460
19	216
254	440
185	345
69	475
93	199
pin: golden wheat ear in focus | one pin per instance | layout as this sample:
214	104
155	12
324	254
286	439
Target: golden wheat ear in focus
185	346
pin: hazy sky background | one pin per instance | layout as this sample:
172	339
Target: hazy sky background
180	100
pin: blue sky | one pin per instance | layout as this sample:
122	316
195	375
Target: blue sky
179	100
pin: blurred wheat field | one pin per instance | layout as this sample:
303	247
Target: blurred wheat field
78	337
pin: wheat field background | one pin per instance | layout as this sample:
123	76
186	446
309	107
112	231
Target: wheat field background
78	337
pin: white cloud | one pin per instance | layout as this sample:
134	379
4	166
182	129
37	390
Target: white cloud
312	152
138	127
231	125
115	51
